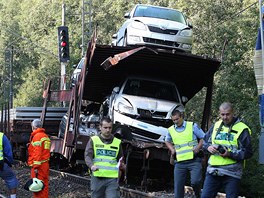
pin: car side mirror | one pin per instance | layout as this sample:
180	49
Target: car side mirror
74	66
190	25
184	99
127	15
114	36
116	89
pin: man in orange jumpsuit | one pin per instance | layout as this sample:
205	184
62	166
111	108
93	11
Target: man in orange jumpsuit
38	156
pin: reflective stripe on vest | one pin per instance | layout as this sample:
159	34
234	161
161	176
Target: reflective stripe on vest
1	146
183	142
39	162
46	145
228	139
105	157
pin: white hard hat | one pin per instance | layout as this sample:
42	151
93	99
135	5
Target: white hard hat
34	185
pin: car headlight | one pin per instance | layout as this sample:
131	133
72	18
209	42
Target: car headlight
186	33
138	25
124	108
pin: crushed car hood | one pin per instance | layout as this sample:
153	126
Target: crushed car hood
152	104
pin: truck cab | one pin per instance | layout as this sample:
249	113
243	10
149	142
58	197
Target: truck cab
142	106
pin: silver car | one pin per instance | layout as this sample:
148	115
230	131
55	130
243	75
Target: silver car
143	106
155	26
76	72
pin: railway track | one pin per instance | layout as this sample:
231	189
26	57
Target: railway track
124	192
128	192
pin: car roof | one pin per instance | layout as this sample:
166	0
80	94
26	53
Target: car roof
189	72
147	5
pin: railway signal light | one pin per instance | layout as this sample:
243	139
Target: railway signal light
63	42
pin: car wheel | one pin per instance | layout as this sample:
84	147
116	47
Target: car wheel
125	40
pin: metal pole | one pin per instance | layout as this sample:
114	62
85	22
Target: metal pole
86	33
83	28
4	85
11	77
63	14
63	65
90	18
261	138
261	33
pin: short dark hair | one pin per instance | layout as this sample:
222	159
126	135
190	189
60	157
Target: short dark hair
105	119
176	112
226	105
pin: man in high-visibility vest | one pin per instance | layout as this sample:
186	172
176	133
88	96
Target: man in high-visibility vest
229	143
38	156
184	140
6	161
103	155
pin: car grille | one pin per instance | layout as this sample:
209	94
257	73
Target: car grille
144	133
147	114
160	42
156	122
162	31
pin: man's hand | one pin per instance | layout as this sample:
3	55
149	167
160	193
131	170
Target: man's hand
196	150
36	172
173	152
94	168
212	149
122	166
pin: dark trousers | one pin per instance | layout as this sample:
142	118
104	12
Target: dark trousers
213	184
181	170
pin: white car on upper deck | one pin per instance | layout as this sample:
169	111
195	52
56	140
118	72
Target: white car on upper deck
156	26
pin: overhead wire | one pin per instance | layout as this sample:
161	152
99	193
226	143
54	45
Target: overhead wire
27	40
234	15
225	19
33	9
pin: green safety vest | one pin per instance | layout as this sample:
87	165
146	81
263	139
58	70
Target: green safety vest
183	142
105	157
228	139
1	146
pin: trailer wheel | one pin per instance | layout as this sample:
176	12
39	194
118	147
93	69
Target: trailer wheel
58	161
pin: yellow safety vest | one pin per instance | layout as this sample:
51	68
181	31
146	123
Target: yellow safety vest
1	146
183	142
227	138
105	157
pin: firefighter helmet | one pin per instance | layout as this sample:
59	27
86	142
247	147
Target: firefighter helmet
34	185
